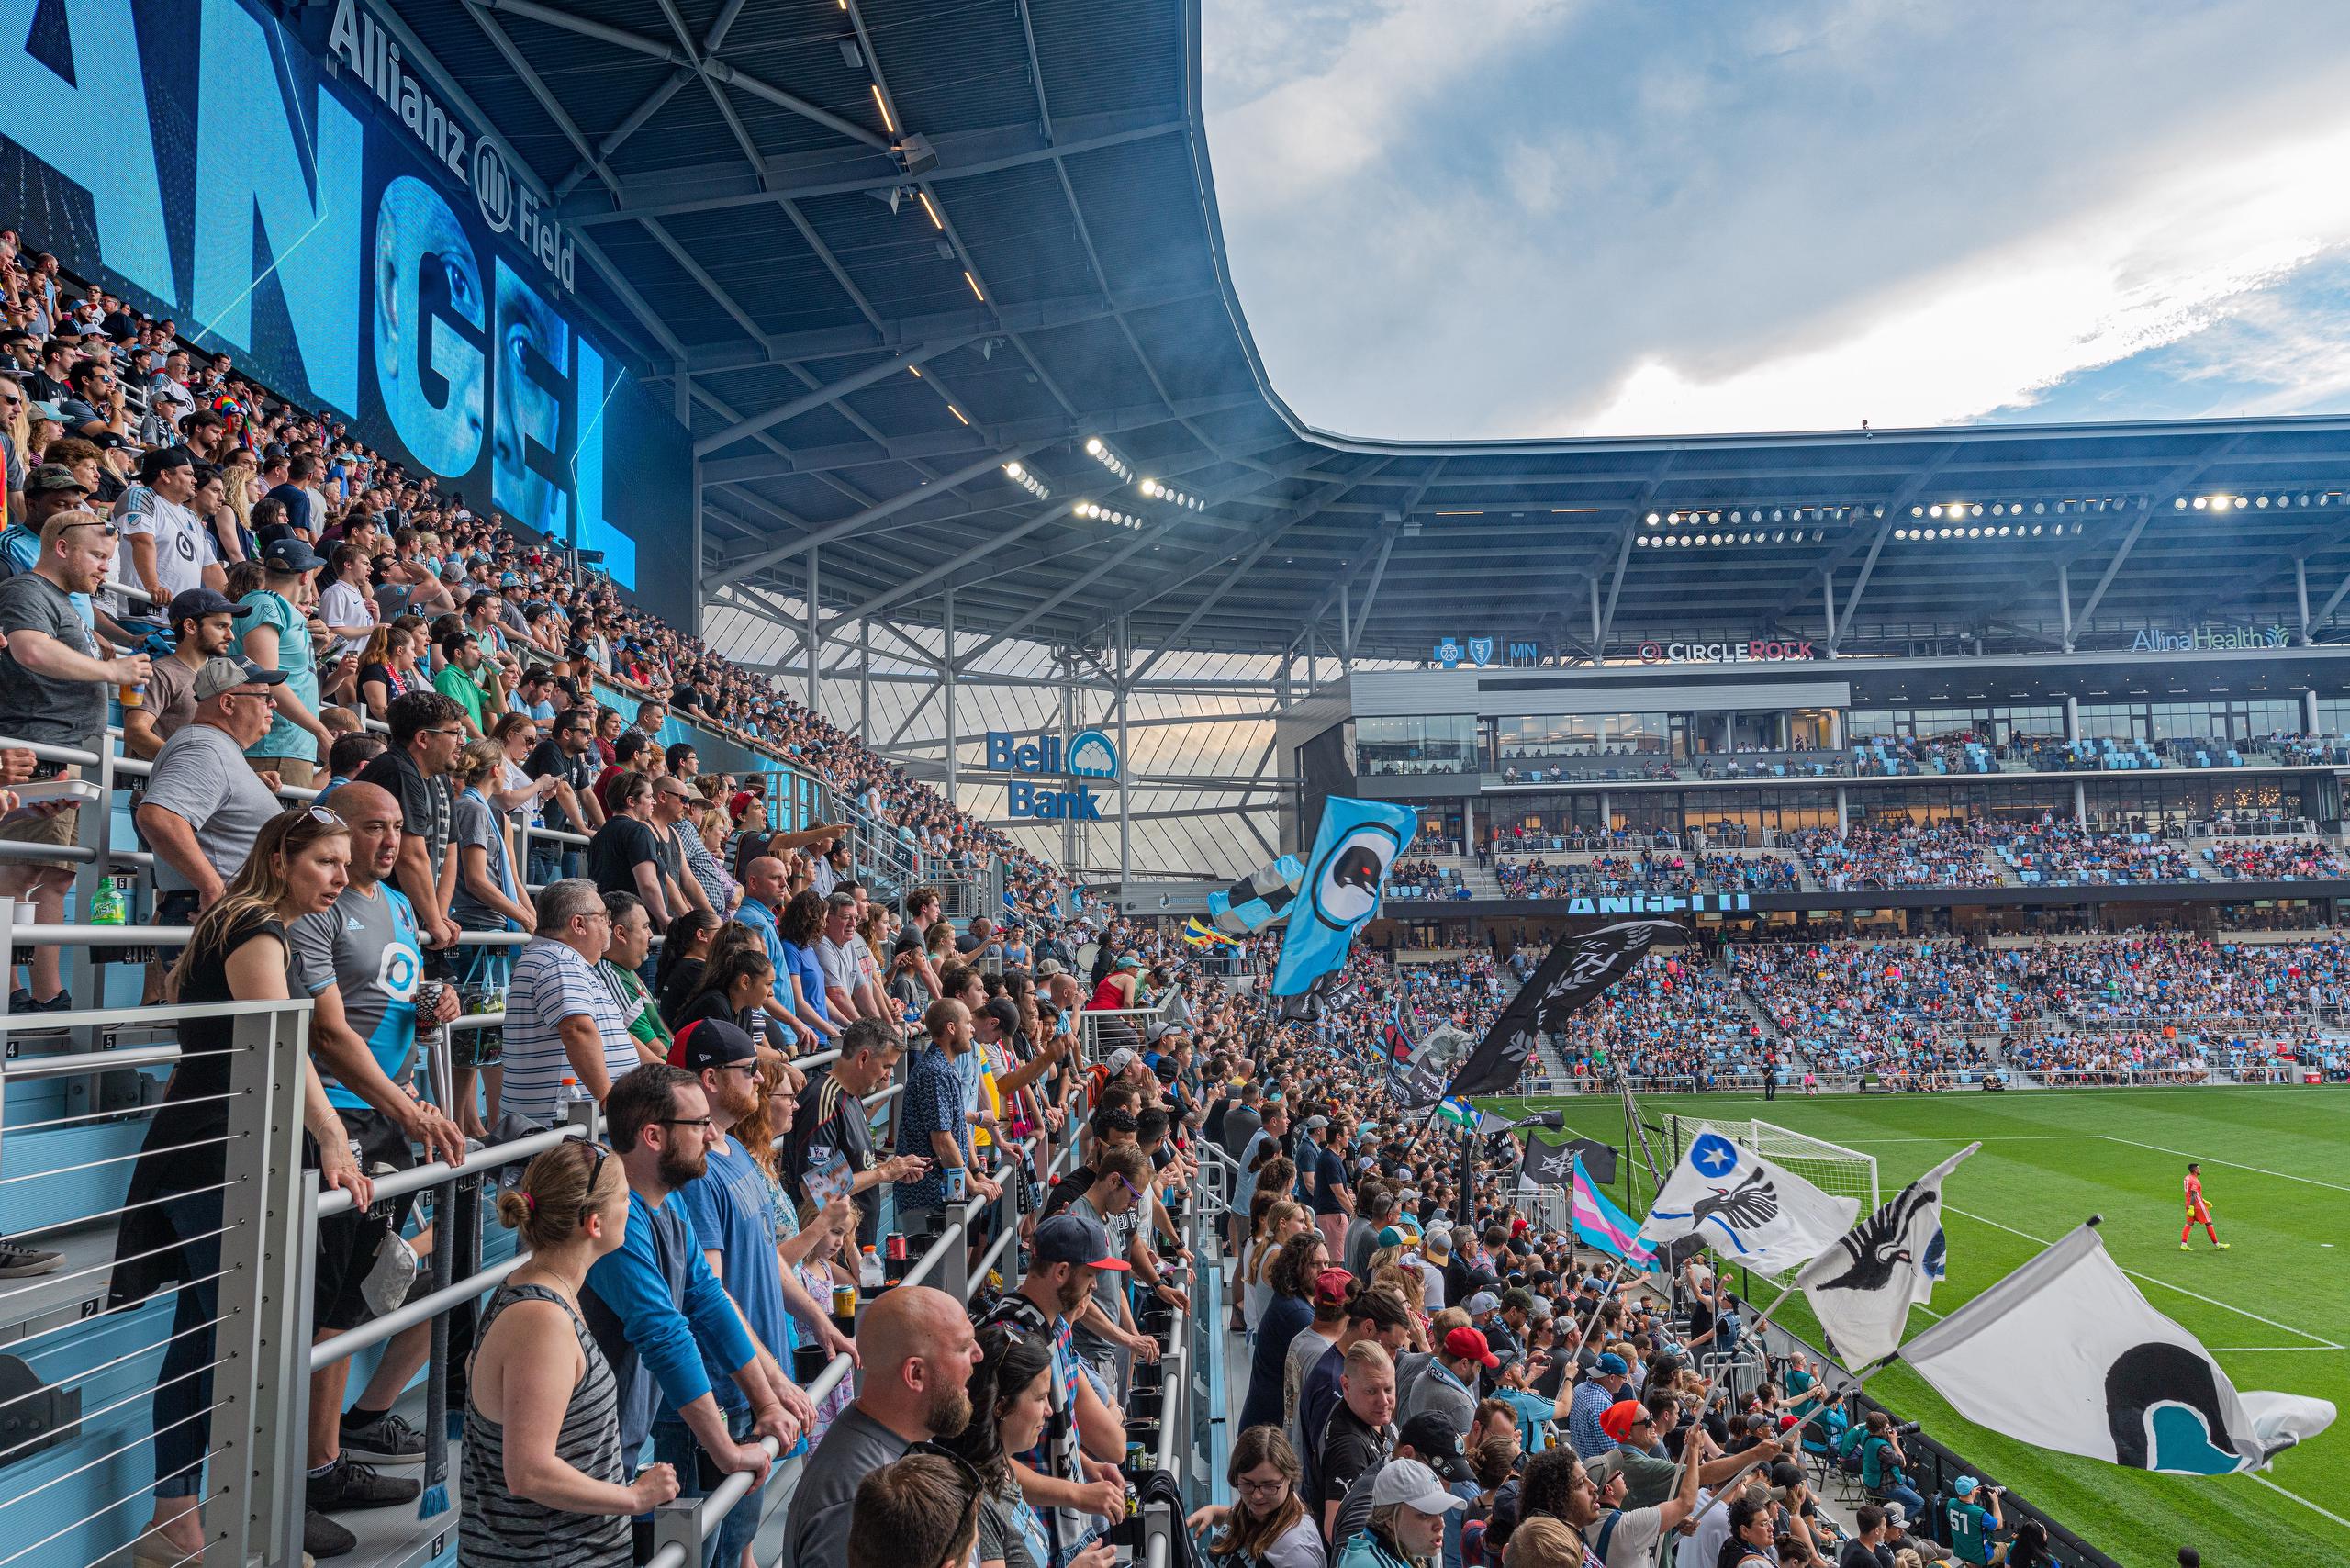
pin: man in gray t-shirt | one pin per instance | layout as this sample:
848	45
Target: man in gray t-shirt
205	805
39	707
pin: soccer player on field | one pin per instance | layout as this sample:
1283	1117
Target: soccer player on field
2198	1211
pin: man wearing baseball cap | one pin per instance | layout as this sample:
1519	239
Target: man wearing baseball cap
1073	1471
203	807
1974	1519
203	626
728	1205
171	550
1428	1439
1592	1396
50	488
1449	1386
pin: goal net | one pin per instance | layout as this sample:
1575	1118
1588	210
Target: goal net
1830	1166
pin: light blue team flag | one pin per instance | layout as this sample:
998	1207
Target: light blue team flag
1345	877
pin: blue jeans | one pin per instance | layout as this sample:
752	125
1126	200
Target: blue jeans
674	1443
183	1394
1911	1504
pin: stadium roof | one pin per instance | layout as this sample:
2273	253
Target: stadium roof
892	245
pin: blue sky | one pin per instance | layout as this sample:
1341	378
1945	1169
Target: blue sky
1539	217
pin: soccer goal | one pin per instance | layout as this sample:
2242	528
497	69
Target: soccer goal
1830	1166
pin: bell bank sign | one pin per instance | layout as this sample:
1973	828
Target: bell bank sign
1089	753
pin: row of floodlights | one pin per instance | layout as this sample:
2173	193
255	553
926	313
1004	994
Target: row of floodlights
1105	514
1754	514
1099	451
1019	475
1687	541
1982	530
2239	503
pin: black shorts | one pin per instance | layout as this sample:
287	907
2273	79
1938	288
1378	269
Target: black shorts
347	1241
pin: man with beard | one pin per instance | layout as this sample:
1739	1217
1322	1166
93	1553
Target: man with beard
658	1313
1066	1255
728	1207
918	1352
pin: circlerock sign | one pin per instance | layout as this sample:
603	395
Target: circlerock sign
1757	652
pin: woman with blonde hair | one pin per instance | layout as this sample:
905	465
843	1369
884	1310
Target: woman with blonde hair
1276	1219
173	1217
542	1468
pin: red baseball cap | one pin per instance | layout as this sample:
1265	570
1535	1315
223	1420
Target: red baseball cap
1470	1343
1331	1284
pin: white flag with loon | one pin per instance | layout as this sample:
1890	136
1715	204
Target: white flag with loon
2064	1354
1861	1288
1745	1208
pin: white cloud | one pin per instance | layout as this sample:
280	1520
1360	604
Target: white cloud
1499	220
1999	329
1294	142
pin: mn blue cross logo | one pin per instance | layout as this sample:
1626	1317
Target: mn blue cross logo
1447	654
1481	650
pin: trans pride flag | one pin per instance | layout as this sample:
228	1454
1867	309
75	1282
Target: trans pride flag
1601	1223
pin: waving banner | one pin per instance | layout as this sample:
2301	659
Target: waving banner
1576	970
1861	1288
1344	878
2066	1354
1748	1210
1259	899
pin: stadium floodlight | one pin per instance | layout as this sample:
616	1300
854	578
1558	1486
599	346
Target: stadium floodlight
1652	519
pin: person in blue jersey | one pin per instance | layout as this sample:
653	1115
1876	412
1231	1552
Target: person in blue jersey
360	962
728	1206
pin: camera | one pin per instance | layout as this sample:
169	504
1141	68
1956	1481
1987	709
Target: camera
1902	1429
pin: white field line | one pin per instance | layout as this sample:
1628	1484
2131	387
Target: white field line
2232	1165
2319	1341
2304	1501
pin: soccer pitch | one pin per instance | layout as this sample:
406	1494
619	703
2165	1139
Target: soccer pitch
2275	1308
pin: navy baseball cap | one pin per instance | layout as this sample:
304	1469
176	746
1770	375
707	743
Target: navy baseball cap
1072	1238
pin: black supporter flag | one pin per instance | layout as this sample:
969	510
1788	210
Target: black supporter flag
1577	969
1547	1164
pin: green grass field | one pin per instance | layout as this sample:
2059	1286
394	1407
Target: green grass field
2275	1308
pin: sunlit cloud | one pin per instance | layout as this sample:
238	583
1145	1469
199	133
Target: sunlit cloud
1543	220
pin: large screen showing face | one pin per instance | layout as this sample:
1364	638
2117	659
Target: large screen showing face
318	211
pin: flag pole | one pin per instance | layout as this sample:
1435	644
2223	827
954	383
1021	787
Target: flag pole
1591	1328
1721	1493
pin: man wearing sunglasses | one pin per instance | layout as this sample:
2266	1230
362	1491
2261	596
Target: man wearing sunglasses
728	1205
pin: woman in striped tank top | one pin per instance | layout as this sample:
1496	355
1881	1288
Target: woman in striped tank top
543	1471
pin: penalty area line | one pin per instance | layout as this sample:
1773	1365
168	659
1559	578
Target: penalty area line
2319	1341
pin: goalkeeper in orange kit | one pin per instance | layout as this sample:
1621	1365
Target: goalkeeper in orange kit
2198	1211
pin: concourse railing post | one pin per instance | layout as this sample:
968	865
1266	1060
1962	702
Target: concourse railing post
94	829
263	1307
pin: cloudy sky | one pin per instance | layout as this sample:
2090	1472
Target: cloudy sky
1540	218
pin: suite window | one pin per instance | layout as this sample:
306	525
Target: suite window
1411	745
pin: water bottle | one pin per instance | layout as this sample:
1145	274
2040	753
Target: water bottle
105	903
869	1268
572	1090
